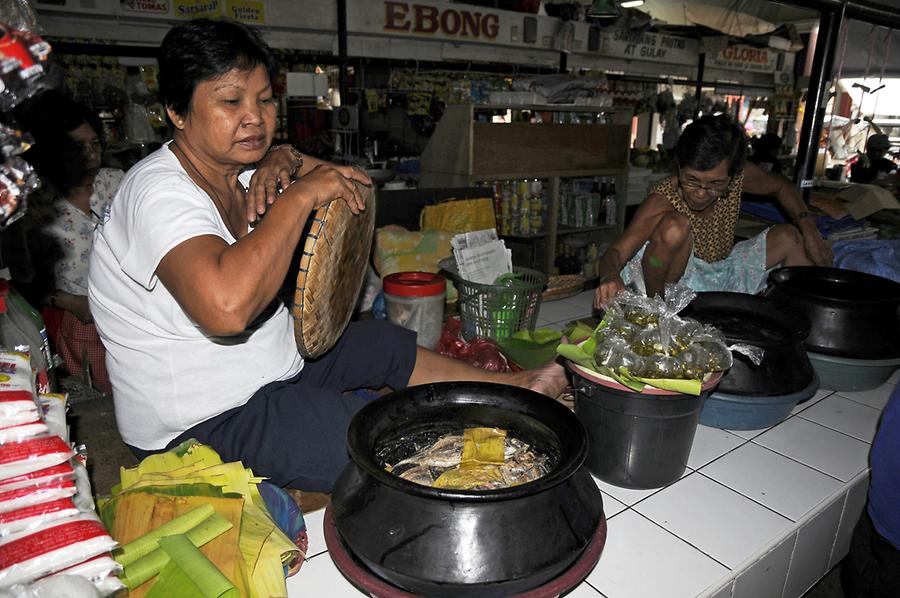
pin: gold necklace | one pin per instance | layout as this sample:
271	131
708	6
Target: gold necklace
211	190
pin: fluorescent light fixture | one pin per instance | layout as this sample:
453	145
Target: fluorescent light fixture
631	3
603	9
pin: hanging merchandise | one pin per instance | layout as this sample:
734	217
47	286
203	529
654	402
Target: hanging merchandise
24	72
18	303
23	66
138	128
20	334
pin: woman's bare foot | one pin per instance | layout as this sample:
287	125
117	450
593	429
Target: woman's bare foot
549	379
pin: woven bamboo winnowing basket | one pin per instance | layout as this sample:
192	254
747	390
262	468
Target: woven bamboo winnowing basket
332	269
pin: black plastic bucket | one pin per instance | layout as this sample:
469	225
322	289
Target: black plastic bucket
636	440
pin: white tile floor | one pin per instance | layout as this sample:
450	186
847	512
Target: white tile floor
761	513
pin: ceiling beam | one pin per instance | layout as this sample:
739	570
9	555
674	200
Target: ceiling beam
869	12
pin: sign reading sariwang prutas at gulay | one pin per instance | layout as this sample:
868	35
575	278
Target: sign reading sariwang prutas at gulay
247	11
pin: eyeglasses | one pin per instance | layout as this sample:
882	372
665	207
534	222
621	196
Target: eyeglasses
92	146
716	188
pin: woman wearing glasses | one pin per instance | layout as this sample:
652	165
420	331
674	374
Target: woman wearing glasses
67	156
684	230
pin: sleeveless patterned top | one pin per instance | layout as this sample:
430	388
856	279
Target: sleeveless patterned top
714	234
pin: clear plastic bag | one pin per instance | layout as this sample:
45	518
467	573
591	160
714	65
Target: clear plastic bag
646	337
26	557
18	458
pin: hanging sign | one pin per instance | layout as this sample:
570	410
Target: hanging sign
246	11
146	6
437	20
195	9
746	58
641	45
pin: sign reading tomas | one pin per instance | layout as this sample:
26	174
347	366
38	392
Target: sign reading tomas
150	6
440	21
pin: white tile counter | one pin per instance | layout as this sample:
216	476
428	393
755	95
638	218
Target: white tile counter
762	513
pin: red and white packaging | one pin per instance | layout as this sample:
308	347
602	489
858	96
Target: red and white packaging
26	497
58	473
22	432
53	413
18	402
18	407
30	518
62	544
17	458
95	569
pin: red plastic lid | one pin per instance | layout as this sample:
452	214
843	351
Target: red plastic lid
414	284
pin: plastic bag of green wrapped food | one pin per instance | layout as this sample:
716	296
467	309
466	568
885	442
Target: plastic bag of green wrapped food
642	340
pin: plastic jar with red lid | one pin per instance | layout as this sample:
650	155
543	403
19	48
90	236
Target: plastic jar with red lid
415	300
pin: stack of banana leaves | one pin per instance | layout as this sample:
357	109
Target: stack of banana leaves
190	525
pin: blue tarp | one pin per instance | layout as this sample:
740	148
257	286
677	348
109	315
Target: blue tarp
880	257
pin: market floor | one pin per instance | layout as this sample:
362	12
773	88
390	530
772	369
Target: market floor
92	421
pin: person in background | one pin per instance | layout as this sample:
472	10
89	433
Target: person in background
685	229
184	291
872	568
67	156
875	165
765	153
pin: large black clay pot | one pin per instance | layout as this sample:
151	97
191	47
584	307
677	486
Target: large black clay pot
852	314
777	328
458	543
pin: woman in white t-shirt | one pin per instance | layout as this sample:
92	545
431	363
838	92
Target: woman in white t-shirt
184	291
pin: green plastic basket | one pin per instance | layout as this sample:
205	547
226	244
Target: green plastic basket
497	311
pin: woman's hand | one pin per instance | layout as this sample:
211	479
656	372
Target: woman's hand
817	249
274	174
327	182
609	287
77	304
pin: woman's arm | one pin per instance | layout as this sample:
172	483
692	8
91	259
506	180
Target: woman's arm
759	182
627	245
223	287
77	304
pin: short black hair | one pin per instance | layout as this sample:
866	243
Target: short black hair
203	49
49	118
710	139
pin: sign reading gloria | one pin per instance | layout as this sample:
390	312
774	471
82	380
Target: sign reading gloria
440	21
746	58
642	45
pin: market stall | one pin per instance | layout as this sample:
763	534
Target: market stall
719	442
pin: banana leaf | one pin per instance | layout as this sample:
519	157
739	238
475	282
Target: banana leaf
189	574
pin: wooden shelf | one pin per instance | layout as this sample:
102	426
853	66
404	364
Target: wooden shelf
570	230
463	153
539	235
